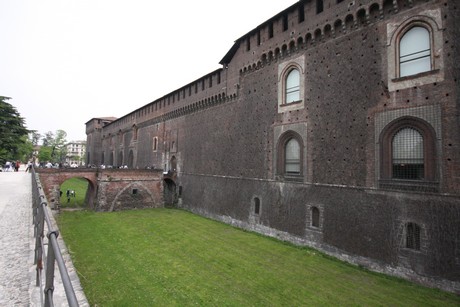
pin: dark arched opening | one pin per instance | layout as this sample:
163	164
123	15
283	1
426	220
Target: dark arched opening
169	193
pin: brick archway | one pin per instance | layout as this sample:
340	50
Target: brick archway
52	179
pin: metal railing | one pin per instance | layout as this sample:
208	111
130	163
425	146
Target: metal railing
53	255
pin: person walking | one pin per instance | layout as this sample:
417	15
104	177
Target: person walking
29	166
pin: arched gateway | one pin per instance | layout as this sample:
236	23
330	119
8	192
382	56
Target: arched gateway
111	189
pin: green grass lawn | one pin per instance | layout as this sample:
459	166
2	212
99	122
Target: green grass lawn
167	257
80	186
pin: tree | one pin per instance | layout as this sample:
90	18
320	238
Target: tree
48	139
53	149
35	137
44	155
12	131
26	149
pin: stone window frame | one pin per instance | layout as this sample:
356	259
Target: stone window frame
281	156
429	152
309	217
283	71
430	20
419	54
281	134
422	239
254	218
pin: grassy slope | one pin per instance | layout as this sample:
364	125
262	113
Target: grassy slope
171	257
80	186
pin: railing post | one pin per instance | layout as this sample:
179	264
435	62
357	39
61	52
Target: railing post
38	242
49	274
53	255
68	288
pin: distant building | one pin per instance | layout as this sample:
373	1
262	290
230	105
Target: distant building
75	153
94	155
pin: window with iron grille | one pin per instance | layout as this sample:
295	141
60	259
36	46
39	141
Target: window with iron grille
292	157
413	236
407	155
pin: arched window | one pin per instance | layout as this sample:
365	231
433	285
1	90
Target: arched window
293	86
291	82
292	157
414	52
314	217
407	155
412	236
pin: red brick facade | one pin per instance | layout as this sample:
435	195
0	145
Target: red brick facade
224	136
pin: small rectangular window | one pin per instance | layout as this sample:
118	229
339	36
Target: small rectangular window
256	205
319	6
270	30
285	22
301	13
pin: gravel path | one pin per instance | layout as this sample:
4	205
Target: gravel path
16	231
17	269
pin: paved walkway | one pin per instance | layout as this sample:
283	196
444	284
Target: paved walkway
17	271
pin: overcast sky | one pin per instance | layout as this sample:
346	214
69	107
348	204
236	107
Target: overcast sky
64	62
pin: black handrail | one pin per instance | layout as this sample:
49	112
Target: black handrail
53	255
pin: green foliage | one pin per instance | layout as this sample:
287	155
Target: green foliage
12	131
44	155
166	257
25	149
80	186
54	146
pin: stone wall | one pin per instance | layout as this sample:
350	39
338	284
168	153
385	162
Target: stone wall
109	189
129	189
224	144
361	226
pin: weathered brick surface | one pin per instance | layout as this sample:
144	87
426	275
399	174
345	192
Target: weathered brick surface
129	189
109	189
224	136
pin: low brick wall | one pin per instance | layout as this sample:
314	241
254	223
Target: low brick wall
129	189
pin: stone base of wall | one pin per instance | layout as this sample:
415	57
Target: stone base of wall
129	189
365	227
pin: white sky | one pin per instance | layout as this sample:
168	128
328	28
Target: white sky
64	62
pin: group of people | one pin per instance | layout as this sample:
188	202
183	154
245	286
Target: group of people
69	193
11	166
